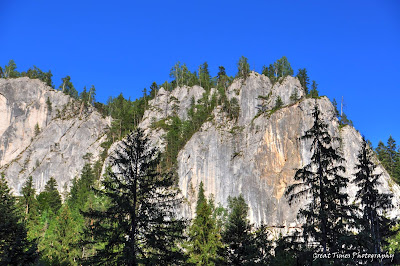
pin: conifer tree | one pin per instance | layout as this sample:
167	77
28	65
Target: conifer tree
282	67
240	247
204	238
82	187
50	199
243	68
314	90
28	199
15	248
304	79
328	216
139	225
375	227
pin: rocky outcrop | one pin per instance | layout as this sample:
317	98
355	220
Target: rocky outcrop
258	155
45	133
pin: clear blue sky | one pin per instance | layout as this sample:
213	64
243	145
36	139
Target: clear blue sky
351	48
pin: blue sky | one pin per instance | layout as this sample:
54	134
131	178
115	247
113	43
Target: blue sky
351	48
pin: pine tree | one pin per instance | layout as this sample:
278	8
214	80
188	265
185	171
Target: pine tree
375	227
204	238
240	248
328	215
139	225
304	79
15	248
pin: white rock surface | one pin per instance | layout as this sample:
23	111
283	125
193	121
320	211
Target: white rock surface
66	135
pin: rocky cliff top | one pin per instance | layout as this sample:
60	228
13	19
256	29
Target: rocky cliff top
45	133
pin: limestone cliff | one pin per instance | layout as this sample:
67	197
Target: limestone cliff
44	133
258	154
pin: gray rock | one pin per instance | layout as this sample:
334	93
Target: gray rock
67	133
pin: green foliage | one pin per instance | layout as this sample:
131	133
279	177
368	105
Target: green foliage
294	96
389	156
204	77
15	248
278	103
182	76
270	73
50	199
59	244
68	88
10	70
37	73
139	225
243	68
374	226
304	79
282	68
49	106
82	188
314	90
240	247
204	237
37	129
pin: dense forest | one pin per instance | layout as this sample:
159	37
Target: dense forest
127	217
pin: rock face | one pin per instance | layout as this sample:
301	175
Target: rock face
44	133
257	155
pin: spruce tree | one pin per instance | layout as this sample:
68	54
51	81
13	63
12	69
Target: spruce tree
15	248
138	226
327	216
304	79
204	238
240	246
50	199
374	226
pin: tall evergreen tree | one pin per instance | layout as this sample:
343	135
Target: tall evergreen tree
328	215
240	248
139	225
304	79
204	238
314	90
375	227
15	248
50	199
28	199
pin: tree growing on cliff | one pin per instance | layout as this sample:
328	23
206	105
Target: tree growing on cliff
243	68
304	79
375	227
327	217
139	225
